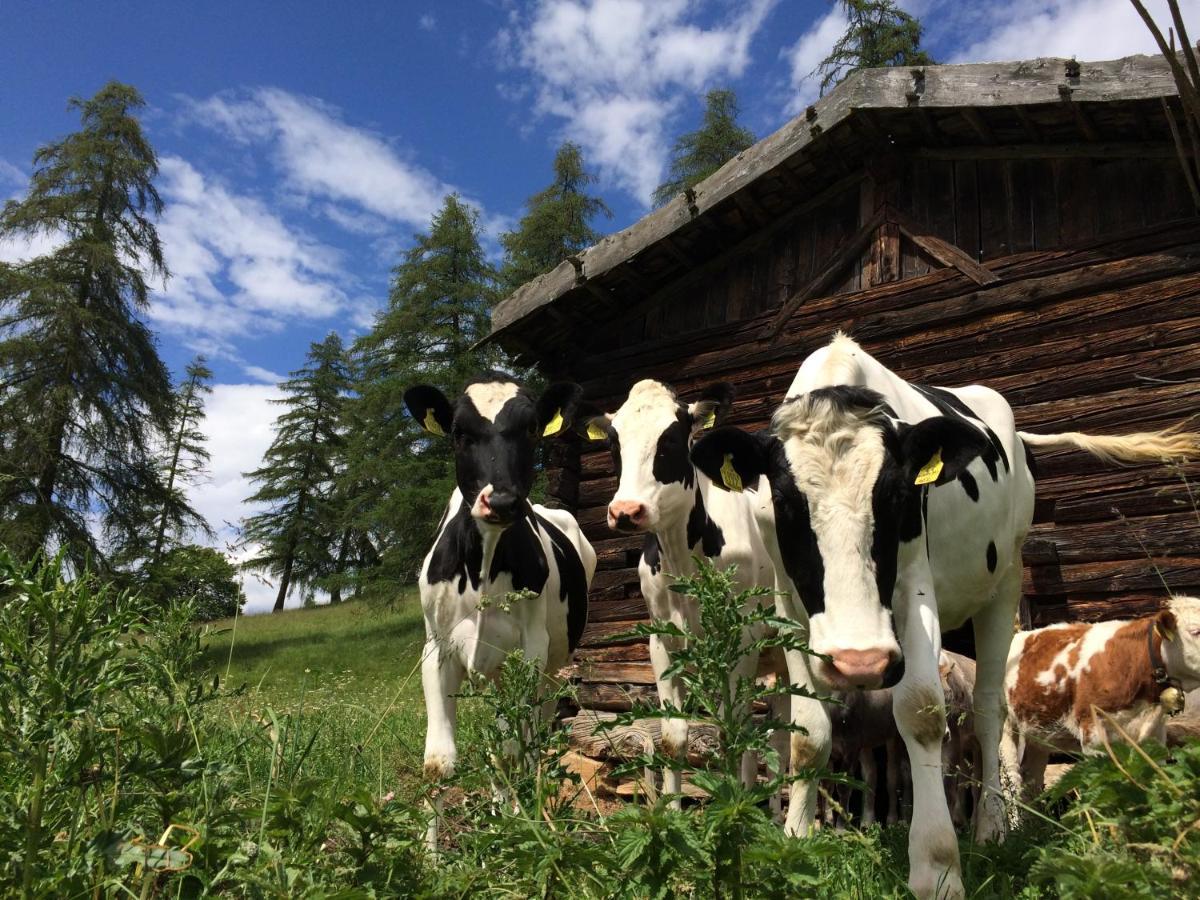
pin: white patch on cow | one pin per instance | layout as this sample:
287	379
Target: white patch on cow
489	397
1181	653
835	457
650	409
1060	672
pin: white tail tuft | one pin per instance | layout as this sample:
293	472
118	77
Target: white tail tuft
1144	446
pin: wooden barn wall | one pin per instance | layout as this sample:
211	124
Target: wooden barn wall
988	208
1104	337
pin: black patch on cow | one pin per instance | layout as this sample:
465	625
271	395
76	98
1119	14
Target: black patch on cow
614	446
703	531
967	480
1030	461
652	554
899	516
671	461
793	528
851	398
457	551
991	556
949	404
519	553
572	579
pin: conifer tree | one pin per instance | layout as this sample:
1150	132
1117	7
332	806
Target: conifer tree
880	34
83	392
397	481
186	461
296	533
699	153
556	224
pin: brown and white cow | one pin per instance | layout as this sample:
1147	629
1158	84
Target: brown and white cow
1067	684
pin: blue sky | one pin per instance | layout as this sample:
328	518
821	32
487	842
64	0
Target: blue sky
302	144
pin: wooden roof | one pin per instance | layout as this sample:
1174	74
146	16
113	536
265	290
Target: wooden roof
1043	107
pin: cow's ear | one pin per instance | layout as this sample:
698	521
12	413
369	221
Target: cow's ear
937	449
556	407
430	408
1165	625
713	406
592	423
732	459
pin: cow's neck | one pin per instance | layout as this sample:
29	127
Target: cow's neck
678	540
487	538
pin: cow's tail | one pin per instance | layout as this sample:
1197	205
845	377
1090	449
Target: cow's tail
1143	446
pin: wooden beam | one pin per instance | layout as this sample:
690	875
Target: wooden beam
941	250
978	125
1084	123
849	252
1030	127
1099	150
676	253
748	244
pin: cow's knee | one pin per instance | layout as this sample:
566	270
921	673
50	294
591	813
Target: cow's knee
921	714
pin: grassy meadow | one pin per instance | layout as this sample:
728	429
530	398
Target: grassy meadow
280	756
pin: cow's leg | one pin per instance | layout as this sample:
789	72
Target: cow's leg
808	749
894	786
919	707
866	763
993	628
1033	770
746	669
442	674
1011	779
781	744
675	729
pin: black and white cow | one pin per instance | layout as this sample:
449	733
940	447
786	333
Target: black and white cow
493	541
661	494
900	511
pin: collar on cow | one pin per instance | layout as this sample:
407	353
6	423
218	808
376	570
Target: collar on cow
1171	697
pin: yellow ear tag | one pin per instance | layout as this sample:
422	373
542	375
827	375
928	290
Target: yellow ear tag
931	470
729	474
554	426
431	424
595	432
710	420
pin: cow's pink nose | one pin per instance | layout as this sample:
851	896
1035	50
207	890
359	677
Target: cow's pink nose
626	515
861	668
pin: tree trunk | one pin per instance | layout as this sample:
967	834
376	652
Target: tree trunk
160	537
335	592
285	580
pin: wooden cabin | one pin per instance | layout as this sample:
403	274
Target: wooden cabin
1026	225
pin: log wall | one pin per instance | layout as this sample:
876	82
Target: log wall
1097	336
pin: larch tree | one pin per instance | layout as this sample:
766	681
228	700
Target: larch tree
84	396
295	534
699	153
879	34
185	461
557	222
396	479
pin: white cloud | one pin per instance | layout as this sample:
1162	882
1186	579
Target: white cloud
806	54
427	22
238	427
325	159
1087	29
236	268
15	249
264	375
611	70
10	174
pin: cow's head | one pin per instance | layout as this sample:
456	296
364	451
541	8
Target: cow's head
650	436
844	479
495	427
1179	626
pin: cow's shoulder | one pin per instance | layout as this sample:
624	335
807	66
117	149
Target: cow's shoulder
457	552
1116	673
1041	683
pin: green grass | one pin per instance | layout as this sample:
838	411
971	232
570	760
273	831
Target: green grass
348	674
